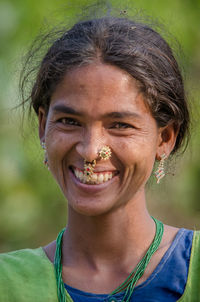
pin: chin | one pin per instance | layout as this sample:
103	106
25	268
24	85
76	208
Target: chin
90	208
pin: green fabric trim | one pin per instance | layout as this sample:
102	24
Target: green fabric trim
27	276
192	289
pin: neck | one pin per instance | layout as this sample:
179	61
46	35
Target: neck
107	238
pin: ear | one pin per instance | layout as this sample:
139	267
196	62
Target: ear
166	140
42	118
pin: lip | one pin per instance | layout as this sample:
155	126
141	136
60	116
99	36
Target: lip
91	188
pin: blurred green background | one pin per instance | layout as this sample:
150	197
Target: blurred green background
32	208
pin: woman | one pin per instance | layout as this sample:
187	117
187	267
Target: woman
110	101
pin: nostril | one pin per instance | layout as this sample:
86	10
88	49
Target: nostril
89	149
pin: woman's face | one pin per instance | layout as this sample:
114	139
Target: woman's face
94	106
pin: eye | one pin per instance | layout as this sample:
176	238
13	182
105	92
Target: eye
68	121
119	125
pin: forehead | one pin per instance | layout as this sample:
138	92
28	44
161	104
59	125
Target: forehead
98	88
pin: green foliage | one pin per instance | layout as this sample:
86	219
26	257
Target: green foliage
32	208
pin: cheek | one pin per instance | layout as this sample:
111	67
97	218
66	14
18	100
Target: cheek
137	155
57	147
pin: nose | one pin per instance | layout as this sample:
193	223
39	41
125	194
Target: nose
91	143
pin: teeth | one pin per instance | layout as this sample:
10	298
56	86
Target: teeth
96	178
76	172
100	178
106	177
109	175
80	175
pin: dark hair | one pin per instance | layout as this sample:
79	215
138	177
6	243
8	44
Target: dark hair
133	47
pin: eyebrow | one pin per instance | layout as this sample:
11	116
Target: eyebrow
66	109
115	114
123	114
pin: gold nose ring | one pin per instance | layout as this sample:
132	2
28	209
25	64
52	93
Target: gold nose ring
88	169
104	153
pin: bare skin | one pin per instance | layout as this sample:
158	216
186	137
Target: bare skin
109	229
112	270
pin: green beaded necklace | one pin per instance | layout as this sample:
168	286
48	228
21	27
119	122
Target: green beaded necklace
128	285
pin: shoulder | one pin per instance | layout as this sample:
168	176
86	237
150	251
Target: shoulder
192	289
22	254
26	273
27	260
181	251
179	240
194	271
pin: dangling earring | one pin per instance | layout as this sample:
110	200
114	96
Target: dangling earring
160	173
45	161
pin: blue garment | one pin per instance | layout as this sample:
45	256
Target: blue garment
166	283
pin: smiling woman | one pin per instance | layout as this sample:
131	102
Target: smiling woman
110	101
78	132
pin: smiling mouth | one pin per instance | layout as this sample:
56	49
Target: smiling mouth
96	178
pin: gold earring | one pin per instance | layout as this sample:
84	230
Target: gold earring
160	172
45	161
105	153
